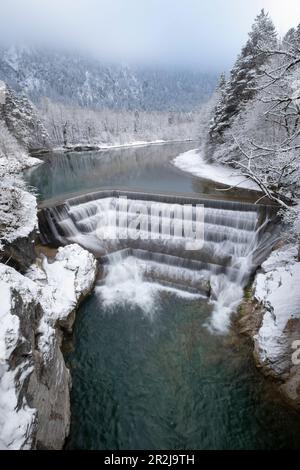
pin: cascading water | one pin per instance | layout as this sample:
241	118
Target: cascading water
236	238
127	282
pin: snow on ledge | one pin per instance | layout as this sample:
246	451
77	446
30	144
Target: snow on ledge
62	282
277	289
16	419
16	163
193	162
17	212
57	288
135	143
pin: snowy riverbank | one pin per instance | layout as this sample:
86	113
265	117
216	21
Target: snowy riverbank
35	386
270	316
35	307
194	163
276	288
138	143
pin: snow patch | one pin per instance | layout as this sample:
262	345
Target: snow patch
16	163
17	213
2	92
55	287
193	162
137	143
16	418
277	288
117	145
62	283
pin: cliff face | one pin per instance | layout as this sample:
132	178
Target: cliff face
273	321
33	376
18	222
19	315
277	289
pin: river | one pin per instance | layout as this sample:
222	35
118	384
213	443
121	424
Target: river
148	369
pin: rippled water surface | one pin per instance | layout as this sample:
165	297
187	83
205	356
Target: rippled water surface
159	380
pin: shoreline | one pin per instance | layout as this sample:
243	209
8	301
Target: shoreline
81	147
267	318
193	162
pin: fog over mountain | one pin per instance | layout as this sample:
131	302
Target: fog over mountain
195	33
77	80
146	55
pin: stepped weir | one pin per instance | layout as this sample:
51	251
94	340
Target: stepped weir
237	237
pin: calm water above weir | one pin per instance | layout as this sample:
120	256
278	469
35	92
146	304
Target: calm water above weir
146	168
147	370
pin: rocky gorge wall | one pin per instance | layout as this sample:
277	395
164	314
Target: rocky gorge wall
38	298
271	318
34	381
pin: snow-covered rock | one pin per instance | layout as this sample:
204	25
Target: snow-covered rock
63	283
16	163
18	314
18	213
277	288
18	224
34	380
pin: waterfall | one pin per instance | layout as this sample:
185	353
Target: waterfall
127	281
237	237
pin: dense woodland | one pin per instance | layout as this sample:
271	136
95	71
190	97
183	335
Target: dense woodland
68	124
84	101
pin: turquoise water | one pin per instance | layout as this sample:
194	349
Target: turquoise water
146	168
160	380
147	373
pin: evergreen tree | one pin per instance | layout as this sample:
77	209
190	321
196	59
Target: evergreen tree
292	38
22	120
241	85
221	102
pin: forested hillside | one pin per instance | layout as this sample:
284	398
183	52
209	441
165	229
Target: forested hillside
76	80
254	121
84	101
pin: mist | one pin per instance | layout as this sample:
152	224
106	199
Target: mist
190	33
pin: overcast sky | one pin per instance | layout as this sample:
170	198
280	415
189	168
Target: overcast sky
202	33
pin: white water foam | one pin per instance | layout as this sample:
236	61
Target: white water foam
231	239
125	285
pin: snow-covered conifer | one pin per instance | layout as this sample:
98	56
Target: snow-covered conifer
241	85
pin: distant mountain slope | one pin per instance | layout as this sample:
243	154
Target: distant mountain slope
86	82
